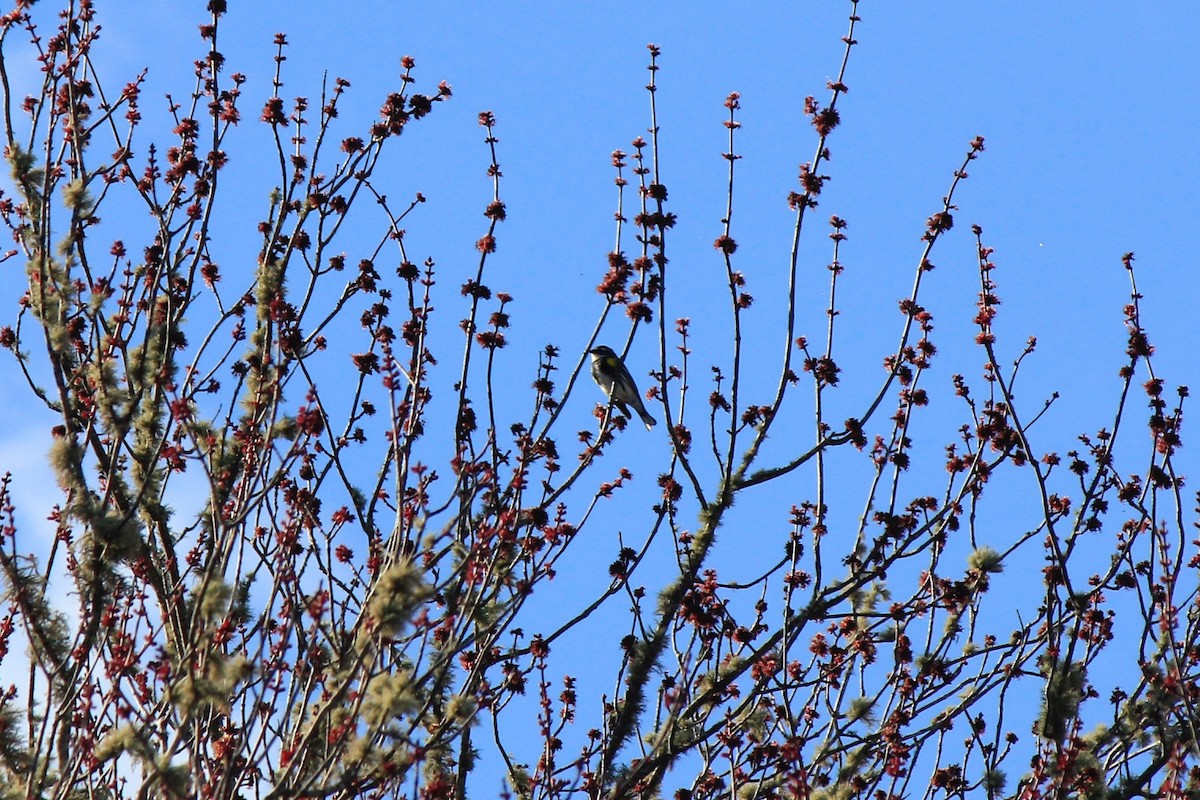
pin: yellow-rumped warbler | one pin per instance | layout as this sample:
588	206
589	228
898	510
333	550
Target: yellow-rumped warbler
611	376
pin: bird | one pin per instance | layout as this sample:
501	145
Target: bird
613	378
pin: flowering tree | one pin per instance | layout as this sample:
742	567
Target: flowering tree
345	613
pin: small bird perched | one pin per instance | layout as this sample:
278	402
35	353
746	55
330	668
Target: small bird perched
614	379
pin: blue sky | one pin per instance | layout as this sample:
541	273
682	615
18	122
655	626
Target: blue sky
1089	114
